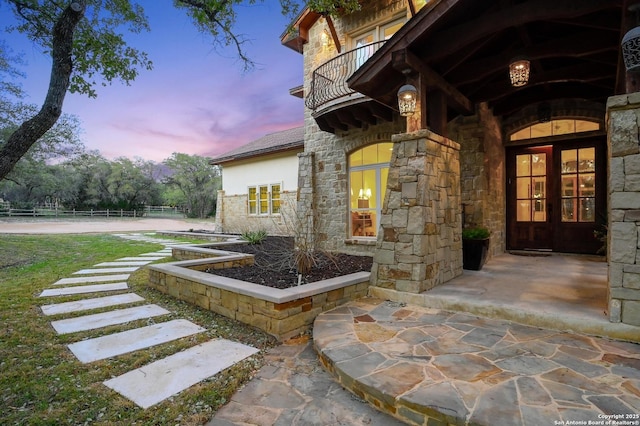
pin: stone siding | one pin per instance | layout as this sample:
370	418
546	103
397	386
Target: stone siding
232	215
623	121
420	244
328	197
482	168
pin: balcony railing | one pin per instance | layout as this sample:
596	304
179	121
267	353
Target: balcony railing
329	80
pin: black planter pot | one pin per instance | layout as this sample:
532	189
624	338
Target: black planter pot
474	253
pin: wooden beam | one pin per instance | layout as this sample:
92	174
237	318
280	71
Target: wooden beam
405	60
334	34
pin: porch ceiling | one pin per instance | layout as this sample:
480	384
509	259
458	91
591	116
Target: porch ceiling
465	47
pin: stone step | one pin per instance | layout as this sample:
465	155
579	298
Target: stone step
105	270
88	304
153	383
104	319
132	340
125	263
94	288
94	279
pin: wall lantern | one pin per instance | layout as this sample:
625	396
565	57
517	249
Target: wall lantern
631	44
407	96
519	72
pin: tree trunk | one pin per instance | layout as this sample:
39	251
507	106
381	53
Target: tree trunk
62	65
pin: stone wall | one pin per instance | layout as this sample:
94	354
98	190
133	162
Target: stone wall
623	121
232	215
420	245
329	194
482	168
281	313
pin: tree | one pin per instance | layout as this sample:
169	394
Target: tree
84	40
197	181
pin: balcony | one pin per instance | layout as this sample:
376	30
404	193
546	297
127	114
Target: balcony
337	107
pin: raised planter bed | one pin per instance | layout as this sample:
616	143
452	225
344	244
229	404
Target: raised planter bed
283	313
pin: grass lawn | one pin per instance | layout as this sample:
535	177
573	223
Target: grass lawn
42	383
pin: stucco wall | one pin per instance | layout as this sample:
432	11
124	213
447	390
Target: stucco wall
283	169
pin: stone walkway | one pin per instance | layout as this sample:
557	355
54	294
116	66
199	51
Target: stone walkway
435	367
150	384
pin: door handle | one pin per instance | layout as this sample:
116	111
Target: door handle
549	211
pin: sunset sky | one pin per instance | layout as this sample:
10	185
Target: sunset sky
195	100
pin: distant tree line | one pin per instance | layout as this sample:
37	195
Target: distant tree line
59	171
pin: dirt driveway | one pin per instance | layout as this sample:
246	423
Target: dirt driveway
98	226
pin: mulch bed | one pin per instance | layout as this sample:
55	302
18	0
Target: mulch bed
274	266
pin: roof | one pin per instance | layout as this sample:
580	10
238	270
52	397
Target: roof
269	144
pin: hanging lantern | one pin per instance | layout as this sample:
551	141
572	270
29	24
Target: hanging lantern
631	49
519	72
407	97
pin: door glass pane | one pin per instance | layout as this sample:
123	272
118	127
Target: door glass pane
569	161
587	185
568	209
523	185
569	186
538	164
587	210
523	165
587	160
524	211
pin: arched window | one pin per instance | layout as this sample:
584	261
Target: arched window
368	171
554	128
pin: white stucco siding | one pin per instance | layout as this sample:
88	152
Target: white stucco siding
284	169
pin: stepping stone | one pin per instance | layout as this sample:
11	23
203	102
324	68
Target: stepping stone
63	291
131	340
150	258
87	304
125	263
104	319
105	270
155	382
96	279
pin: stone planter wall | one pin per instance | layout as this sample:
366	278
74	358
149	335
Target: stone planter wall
623	120
281	313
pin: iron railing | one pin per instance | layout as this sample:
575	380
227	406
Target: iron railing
329	80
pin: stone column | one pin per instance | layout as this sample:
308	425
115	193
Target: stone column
219	220
623	120
305	203
419	245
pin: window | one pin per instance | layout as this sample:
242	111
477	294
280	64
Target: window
368	171
554	128
264	199
578	185
363	42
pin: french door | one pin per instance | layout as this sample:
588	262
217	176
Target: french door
556	196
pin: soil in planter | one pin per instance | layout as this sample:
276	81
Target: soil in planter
274	264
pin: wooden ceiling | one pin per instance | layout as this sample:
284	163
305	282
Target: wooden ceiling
464	48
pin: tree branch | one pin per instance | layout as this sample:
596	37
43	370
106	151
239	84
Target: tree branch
62	65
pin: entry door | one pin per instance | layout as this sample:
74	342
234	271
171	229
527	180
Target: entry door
556	196
530	206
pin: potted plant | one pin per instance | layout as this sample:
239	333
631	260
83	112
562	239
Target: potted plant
475	246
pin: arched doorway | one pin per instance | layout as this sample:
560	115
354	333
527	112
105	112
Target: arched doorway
556	187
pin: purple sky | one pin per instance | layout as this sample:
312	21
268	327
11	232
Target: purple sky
195	100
